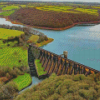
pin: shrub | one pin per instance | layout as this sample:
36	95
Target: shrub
45	38
84	86
82	76
41	39
76	77
58	89
69	96
55	96
98	92
73	89
78	97
7	90
13	73
88	94
67	83
44	93
7	75
64	92
98	82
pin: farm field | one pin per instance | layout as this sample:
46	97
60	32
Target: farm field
68	9
7	33
11	56
7	13
11	7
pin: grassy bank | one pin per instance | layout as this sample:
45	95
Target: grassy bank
23	81
39	68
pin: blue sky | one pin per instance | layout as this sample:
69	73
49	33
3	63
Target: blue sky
62	0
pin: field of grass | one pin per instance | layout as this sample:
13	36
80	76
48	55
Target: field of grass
56	8
3	45
22	81
69	9
10	56
23	6
7	33
40	69
11	7
7	13
97	7
88	11
33	39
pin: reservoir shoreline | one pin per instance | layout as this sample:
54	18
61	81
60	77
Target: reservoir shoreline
56	29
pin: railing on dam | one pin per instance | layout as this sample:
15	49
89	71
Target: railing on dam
55	63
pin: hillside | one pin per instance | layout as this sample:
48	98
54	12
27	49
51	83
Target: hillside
45	17
64	87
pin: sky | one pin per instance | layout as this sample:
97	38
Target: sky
62	0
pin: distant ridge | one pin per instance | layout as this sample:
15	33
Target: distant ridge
76	2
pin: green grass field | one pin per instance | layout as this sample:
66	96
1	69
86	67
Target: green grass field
11	7
23	6
7	13
23	80
6	33
39	68
55	8
69	9
10	57
88	11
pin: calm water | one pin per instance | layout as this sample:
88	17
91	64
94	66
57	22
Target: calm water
3	21
81	42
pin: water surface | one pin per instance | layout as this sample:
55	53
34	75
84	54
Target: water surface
81	42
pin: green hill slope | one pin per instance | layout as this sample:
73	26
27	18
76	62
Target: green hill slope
65	87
